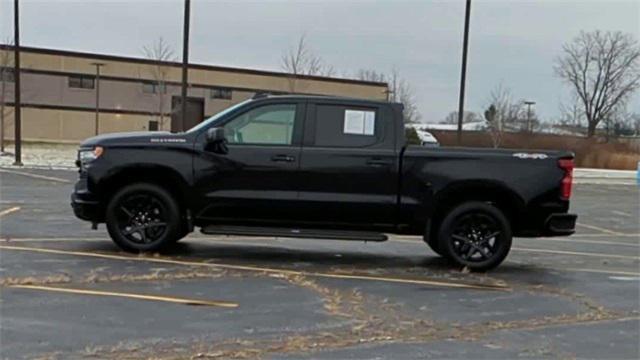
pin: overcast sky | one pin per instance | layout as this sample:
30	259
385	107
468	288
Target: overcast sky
512	42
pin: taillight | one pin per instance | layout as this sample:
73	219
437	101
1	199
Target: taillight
567	179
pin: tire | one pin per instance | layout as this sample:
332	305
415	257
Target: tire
475	235
143	217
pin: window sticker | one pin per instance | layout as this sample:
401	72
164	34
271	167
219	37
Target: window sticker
359	122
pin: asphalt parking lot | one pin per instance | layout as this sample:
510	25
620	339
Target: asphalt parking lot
68	292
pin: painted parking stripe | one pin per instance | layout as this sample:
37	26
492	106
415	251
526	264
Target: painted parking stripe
598	228
406	240
36	176
582	241
571	239
9	211
577	253
605	235
598	271
559	252
439	283
171	299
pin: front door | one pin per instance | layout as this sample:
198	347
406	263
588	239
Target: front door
349	166
256	180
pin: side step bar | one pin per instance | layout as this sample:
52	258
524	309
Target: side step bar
294	233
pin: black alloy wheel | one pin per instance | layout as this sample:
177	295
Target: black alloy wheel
476	235
143	217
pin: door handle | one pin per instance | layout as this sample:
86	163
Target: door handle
378	162
283	158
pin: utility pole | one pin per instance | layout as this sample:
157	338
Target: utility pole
388	92
185	62
98	66
463	75
529	103
16	72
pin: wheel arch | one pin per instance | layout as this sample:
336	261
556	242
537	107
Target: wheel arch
159	175
496	193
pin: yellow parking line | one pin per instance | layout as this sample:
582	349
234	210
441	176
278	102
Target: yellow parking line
36	176
612	272
598	228
580	241
562	252
56	239
554	239
265	269
9	211
606	235
171	299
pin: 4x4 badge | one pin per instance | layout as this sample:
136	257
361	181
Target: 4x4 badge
530	156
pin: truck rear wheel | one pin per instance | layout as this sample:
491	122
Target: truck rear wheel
476	235
143	217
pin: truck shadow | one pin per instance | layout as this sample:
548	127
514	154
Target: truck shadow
321	258
281	255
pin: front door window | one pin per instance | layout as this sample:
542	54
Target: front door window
269	124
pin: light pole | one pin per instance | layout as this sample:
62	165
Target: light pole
98	66
463	74
529	104
16	73
185	61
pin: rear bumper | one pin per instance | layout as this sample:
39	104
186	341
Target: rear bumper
560	224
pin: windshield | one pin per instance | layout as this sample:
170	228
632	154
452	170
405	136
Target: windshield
213	119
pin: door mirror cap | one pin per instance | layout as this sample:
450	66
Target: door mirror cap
216	141
215	135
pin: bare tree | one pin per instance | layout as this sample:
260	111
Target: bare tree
161	53
452	117
6	74
302	60
370	75
572	112
603	68
399	90
494	125
502	114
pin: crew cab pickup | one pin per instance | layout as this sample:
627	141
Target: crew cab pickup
320	167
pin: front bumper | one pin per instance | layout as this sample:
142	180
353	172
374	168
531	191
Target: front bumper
85	205
560	224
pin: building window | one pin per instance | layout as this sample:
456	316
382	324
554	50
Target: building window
221	93
152	88
153	125
7	74
82	82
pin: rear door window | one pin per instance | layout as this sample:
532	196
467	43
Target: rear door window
346	126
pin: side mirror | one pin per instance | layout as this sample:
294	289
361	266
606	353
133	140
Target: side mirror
216	141
215	135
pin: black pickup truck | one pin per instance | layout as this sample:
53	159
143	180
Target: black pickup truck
320	167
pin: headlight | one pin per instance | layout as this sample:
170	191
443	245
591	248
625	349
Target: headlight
87	156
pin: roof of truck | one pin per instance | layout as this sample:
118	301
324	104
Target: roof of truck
260	96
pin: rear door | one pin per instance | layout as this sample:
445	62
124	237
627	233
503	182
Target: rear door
349	166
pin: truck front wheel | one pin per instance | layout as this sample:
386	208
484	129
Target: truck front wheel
476	235
143	217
